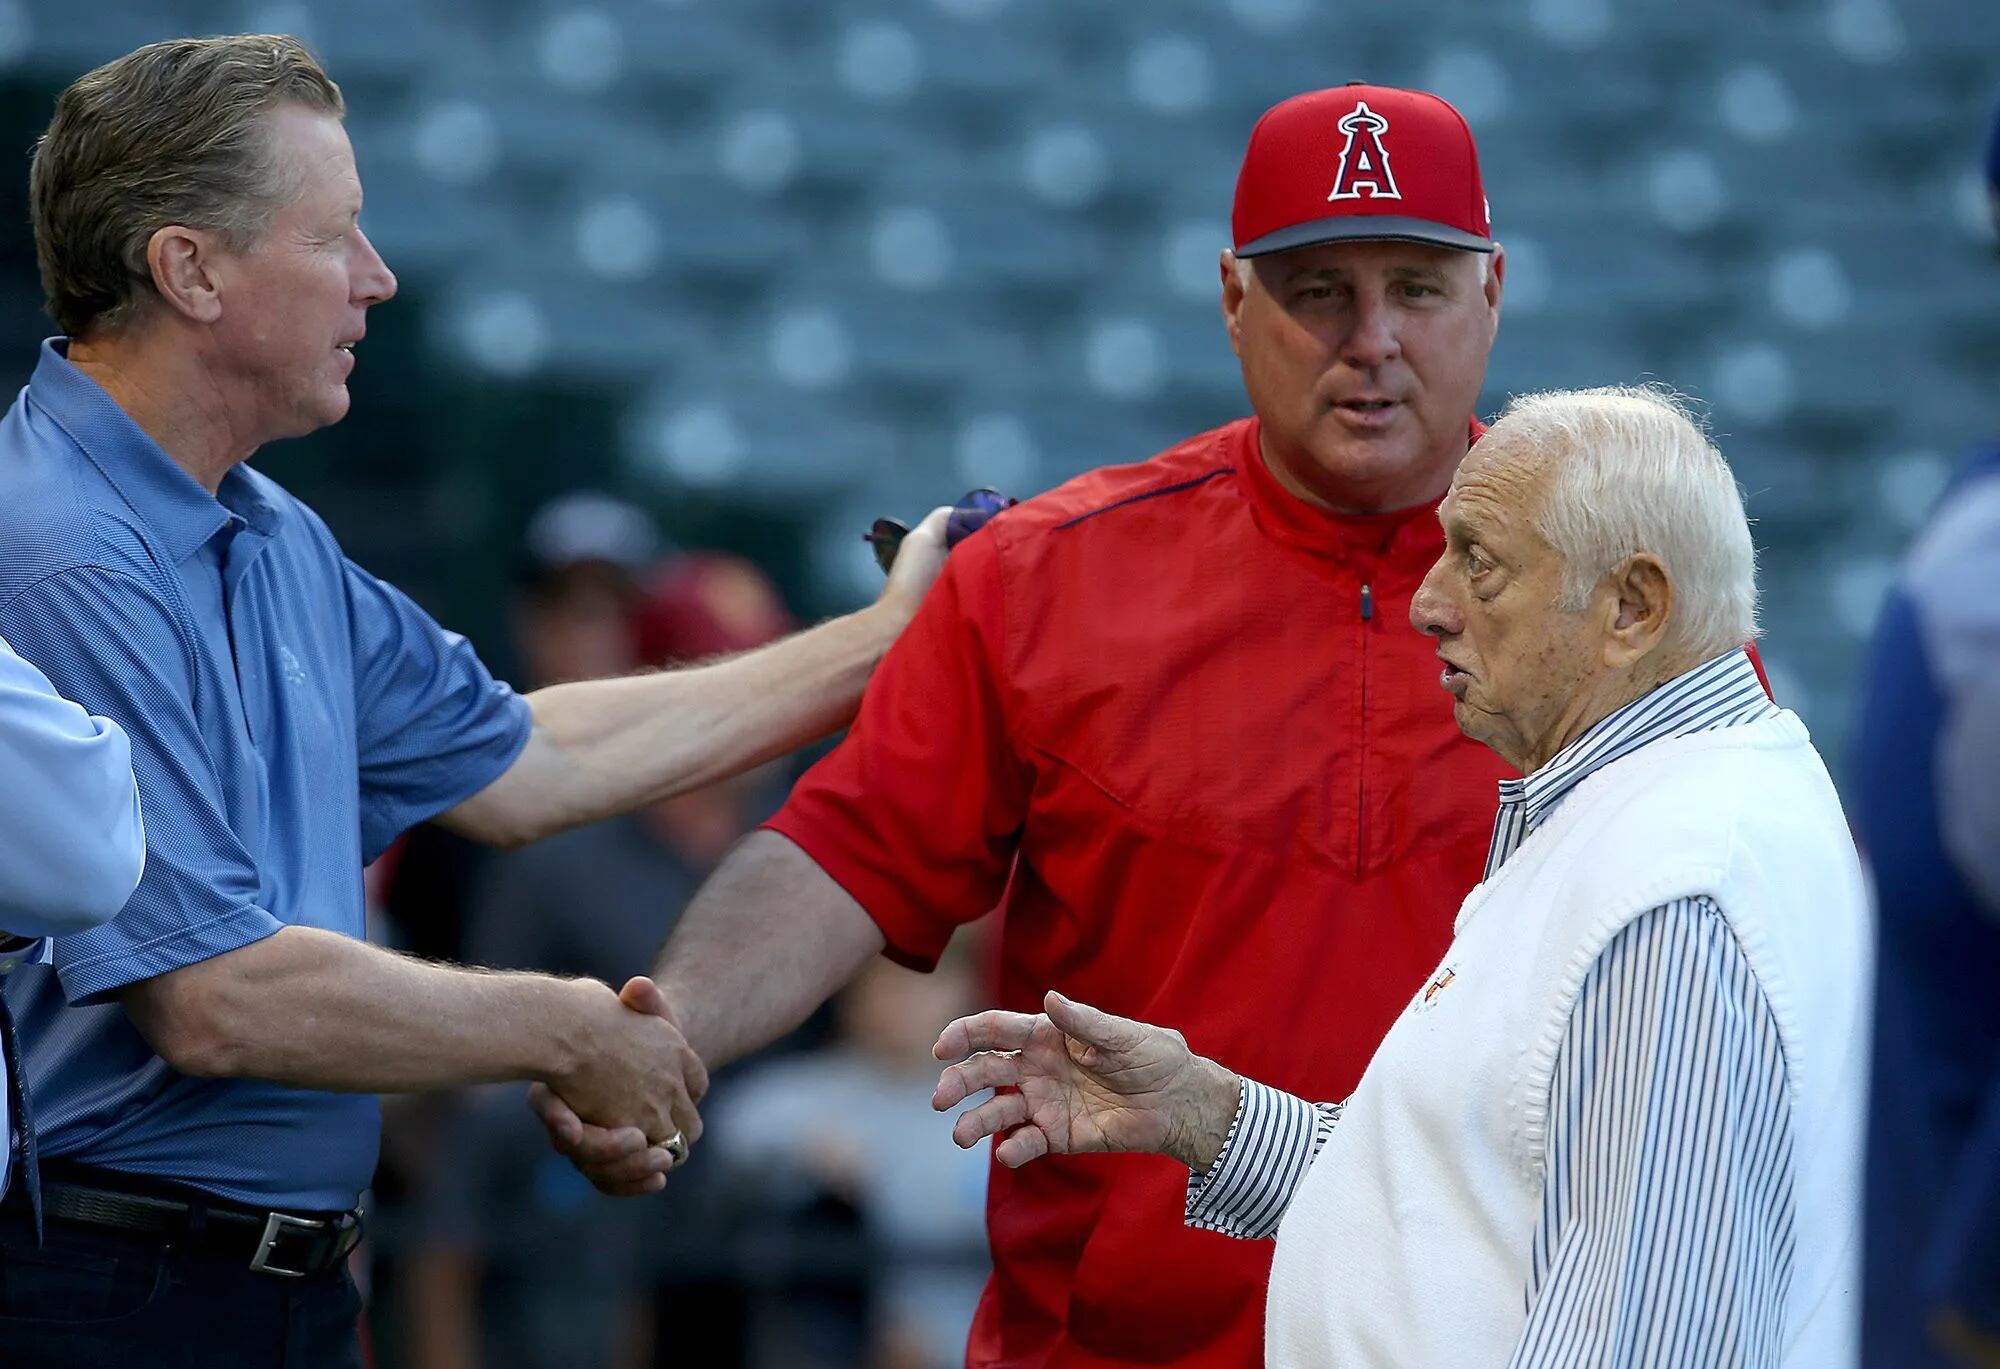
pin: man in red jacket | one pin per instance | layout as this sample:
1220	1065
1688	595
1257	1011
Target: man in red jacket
1170	717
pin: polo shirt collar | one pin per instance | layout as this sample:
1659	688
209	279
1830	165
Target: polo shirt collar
179	513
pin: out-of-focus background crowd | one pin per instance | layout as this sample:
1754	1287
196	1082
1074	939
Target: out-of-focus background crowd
692	290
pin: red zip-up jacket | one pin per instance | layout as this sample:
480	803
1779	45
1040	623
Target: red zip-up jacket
1176	724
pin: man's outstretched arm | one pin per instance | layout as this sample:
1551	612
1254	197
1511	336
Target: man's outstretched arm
314	1009
604	747
768	939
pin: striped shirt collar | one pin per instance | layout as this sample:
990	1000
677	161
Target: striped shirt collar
1724	692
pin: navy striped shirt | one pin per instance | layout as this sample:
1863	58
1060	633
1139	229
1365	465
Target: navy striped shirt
1666	1227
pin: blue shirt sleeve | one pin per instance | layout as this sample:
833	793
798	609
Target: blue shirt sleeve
106	641
432	724
71	854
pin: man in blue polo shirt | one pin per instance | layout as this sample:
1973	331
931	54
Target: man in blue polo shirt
204	1064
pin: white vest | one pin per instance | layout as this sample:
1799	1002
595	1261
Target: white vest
1409	1241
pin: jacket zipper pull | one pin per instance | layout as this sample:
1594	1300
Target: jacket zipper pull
1367	603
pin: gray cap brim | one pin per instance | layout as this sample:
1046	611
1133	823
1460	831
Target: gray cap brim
1365	228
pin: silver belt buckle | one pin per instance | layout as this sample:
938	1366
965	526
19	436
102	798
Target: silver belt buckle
275	1226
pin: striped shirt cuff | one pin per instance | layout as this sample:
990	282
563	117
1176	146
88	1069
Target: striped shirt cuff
1271	1144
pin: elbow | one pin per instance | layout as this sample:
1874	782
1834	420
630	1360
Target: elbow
192	1026
201	1048
500	820
508	837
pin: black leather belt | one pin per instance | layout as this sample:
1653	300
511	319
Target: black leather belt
283	1244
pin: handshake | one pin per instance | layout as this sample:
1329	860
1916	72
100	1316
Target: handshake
1073	1080
622	1106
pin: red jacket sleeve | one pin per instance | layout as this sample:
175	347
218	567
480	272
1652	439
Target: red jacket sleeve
917	812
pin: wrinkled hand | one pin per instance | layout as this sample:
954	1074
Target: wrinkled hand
1084	1081
612	1119
918	562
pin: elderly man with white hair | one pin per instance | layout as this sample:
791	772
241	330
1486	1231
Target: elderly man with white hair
1621	1122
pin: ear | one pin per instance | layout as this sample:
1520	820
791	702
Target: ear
1495	281
1232	300
1642	606
182	262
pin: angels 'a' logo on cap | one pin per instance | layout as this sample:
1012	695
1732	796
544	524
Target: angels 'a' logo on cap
1364	161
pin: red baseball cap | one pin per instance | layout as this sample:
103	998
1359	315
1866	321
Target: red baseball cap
699	604
1360	162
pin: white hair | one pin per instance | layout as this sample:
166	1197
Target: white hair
1246	265
1634	471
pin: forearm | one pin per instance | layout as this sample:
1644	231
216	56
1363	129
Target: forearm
313	1009
766	940
603	747
1205	1115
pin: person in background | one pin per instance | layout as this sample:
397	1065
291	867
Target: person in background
575	588
71	851
574	612
1925	774
854	1120
519	1262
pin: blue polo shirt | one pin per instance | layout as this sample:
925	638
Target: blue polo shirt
289	714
